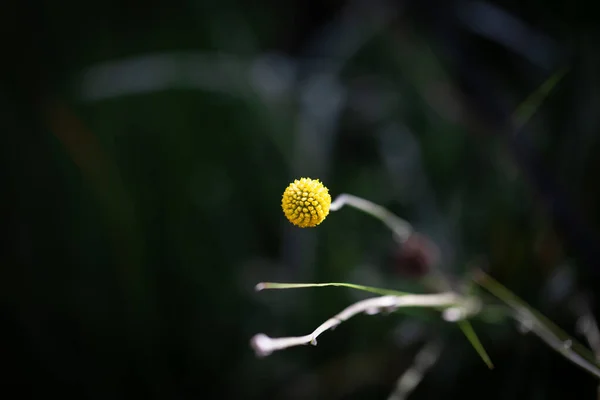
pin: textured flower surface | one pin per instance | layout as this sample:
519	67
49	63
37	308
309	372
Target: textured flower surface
306	202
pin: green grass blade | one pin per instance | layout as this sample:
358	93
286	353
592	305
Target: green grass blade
466	327
527	108
275	285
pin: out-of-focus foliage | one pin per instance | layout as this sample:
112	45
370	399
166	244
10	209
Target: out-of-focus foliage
147	144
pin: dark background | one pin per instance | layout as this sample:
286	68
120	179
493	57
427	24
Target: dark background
146	145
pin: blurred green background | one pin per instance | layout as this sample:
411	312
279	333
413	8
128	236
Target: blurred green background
146	146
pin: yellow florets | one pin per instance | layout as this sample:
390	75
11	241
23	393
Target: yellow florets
306	202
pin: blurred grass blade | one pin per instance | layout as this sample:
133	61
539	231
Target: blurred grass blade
545	329
275	285
469	332
527	108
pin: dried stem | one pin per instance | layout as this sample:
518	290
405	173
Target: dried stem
264	345
401	229
588	326
410	379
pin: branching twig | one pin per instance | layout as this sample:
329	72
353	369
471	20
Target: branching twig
264	345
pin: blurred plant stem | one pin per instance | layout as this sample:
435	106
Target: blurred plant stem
546	330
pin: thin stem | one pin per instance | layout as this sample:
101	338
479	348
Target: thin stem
401	229
588	326
564	347
542	327
264	345
275	285
424	360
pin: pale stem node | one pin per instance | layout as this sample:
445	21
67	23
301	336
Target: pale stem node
264	345
401	229
461	311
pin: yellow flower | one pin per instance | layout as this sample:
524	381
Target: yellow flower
306	202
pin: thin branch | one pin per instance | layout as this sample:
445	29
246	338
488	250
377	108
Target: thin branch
424	360
589	328
264	345
587	325
401	229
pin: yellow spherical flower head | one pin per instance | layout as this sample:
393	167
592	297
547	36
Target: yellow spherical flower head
306	202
